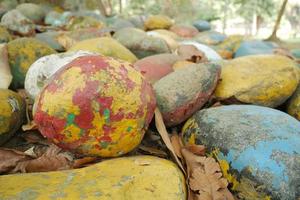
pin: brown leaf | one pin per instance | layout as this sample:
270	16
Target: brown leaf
83	162
191	53
153	151
29	126
205	178
177	144
9	159
53	159
196	149
161	128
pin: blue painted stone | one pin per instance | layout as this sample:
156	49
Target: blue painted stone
254	47
202	25
210	37
261	144
296	53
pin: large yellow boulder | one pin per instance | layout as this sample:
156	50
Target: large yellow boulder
293	106
267	80
158	22
106	46
134	178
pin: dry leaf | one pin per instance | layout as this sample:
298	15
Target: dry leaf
196	149
9	159
153	151
205	178
53	159
29	126
177	144
161	128
83	162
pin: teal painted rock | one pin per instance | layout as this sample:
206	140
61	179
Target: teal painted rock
51	38
202	25
32	11
257	147
121	23
296	53
254	47
209	37
141	44
184	91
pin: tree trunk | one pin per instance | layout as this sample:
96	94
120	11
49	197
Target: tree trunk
273	36
102	8
120	6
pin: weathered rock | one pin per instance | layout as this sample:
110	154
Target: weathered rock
139	43
158	22
4	35
168	38
121	23
7	5
184	31
228	47
209	37
258	148
296	53
40	71
106	46
12	112
32	11
15	21
182	64
22	53
267	80
103	107
137	21
211	54
155	67
183	92
51	38
54	18
81	22
202	25
255	47
134	178
293	106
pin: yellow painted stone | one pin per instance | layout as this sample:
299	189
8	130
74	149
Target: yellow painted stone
127	178
267	80
158	22
106	46
293	106
11	113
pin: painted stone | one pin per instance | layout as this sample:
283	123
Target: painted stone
210	53
95	105
258	148
254	47
155	67
22	53
182	64
168	33
227	48
209	37
54	18
7	5
12	112
171	42
4	35
50	37
184	30
41	70
183	92
32	11
293	105
296	53
106	46
158	22
202	25
120	23
81	22
137	21
267	80
139	43
16	22
134	178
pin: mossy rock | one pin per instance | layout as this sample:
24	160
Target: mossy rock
22	53
32	11
158	22
12	112
106	46
140	43
81	22
184	30
4	35
267	80
293	106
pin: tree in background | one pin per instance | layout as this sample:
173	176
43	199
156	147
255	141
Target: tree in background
292	15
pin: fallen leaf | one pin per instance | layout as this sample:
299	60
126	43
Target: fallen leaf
153	151
196	149
29	126
205	178
83	162
53	159
177	145
161	128
9	159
